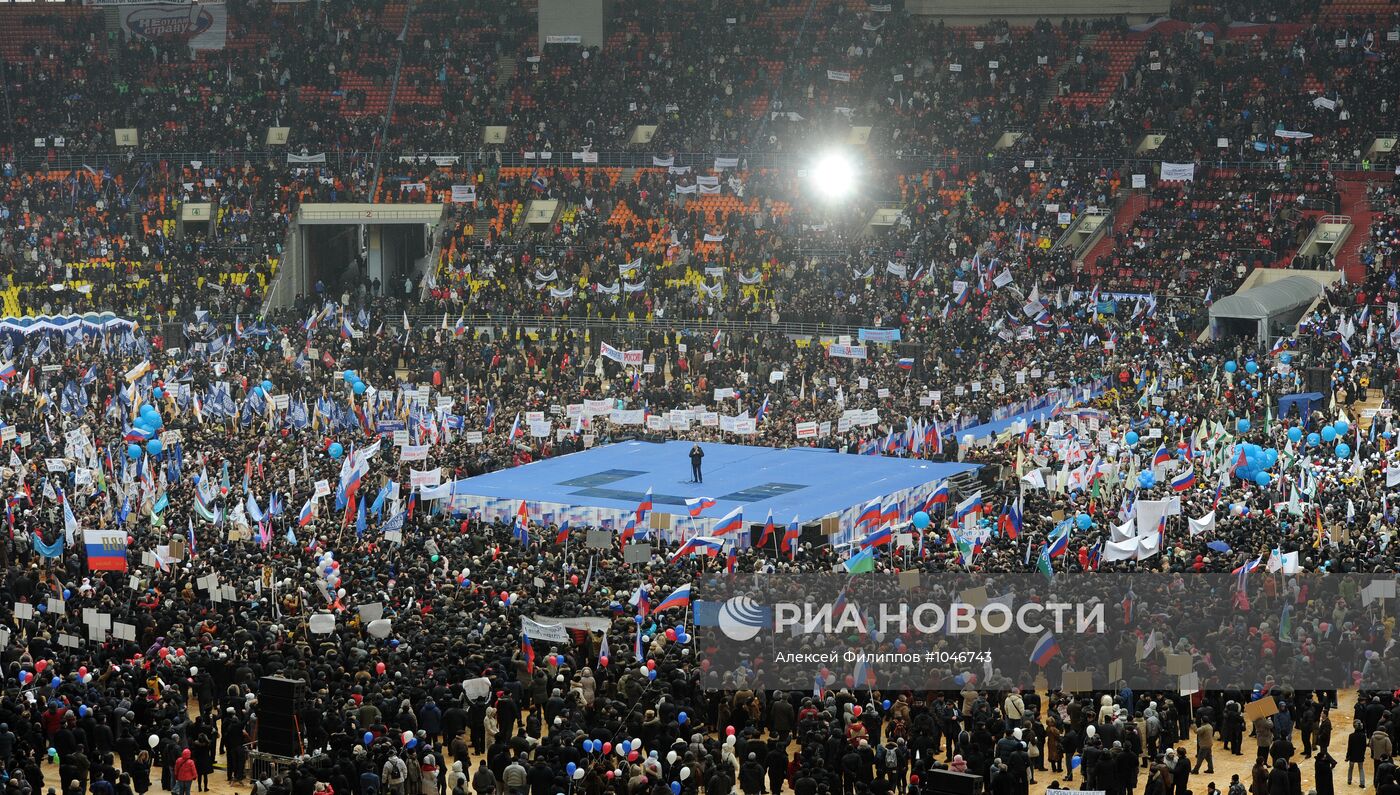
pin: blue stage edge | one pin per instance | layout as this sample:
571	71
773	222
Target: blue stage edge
601	486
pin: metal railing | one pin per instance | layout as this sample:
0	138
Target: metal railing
690	325
483	158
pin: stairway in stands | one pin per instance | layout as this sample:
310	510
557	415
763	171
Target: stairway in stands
1123	219
505	70
1354	204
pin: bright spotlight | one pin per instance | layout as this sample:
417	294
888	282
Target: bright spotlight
834	175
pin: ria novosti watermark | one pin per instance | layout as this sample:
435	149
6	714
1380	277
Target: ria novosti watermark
1181	631
931	618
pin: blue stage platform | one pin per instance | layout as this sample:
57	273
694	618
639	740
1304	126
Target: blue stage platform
601	486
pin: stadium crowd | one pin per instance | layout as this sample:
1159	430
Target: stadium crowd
238	457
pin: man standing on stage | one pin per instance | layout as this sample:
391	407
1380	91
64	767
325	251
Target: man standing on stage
695	455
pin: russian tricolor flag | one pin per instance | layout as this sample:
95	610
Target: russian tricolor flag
678	598
699	505
879	537
731	523
870	513
706	545
905	363
8	371
106	549
1185	480
937	498
308	512
1045	649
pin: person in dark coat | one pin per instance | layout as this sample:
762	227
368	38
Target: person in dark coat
1322	771
1279	783
780	717
1356	752
751	775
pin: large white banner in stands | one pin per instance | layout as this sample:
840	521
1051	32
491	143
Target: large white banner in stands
199	26
1178	172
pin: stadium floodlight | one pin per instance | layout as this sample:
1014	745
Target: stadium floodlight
833	175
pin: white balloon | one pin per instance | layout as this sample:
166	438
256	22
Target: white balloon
1091	730
153	740
578	773
685	773
671	757
731	740
1016	733
194	671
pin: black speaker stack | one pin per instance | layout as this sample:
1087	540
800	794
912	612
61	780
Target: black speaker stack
280	701
946	782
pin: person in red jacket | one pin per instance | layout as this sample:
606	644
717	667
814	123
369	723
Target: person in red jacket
185	772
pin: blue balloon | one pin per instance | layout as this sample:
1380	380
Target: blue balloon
681	718
157	393
675	788
1131	438
369	737
348	375
1251	367
626	746
359	387
1344	450
147	409
1286	358
67	594
1083	521
885	703
142	422
921	519
157	422
413	742
133	451
43	607
336	451
651	674
154	447
1314	440
1242	425
1341	426
570	768
1329	434
1262	478
1295	433
1231	367
1146	480
55	682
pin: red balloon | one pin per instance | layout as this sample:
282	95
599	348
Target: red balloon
729	731
379	668
573	579
670	634
610	775
607	749
41	665
164	653
856	710
632	757
603	662
651	665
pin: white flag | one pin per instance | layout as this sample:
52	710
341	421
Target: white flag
1205	524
